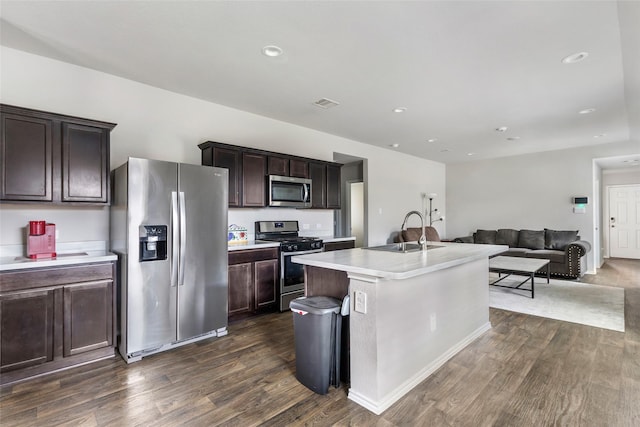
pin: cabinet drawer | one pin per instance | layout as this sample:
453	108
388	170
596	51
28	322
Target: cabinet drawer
18	280
252	255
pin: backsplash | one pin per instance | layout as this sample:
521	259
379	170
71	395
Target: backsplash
78	223
312	222
73	223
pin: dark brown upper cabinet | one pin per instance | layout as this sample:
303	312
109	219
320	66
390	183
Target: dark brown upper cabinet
278	166
48	157
253	180
249	168
333	186
318	176
299	168
228	158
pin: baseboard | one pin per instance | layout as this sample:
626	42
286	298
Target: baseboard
380	406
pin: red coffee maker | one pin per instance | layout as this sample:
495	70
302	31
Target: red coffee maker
41	241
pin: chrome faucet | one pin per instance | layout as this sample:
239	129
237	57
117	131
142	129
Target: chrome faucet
423	237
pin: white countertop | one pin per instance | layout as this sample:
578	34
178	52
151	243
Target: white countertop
11	263
391	265
253	244
337	239
259	244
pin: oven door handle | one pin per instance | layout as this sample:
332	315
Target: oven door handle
311	251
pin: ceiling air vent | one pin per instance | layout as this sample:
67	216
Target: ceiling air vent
325	103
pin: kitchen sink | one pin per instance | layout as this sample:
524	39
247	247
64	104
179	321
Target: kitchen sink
403	247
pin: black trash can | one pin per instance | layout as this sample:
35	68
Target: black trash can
317	334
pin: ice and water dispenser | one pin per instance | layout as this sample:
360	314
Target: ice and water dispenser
153	242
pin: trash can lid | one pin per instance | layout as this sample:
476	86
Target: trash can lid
316	305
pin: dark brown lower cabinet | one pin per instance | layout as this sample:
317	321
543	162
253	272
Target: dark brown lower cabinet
27	329
55	318
253	282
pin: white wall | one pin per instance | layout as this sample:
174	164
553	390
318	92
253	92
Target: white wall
531	191
158	124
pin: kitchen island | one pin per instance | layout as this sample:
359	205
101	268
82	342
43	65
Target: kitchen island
410	312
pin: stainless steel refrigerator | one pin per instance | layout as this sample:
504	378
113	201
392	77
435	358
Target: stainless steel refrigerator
169	228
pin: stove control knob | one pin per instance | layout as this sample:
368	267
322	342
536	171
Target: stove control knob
295	247
289	248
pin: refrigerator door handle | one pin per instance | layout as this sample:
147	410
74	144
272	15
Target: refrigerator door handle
175	236
183	238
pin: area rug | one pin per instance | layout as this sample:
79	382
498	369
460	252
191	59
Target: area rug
592	305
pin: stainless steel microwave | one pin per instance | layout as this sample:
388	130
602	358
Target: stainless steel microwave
287	191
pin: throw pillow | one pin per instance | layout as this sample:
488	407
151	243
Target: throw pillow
487	237
559	240
507	236
531	239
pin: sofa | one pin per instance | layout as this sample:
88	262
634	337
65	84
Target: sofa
412	234
563	249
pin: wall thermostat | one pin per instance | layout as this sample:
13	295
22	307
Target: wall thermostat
580	200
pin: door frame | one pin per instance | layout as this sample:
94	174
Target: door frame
605	218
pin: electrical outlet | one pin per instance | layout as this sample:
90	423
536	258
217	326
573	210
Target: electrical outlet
433	322
305	226
360	302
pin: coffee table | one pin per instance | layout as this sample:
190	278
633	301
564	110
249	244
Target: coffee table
509	265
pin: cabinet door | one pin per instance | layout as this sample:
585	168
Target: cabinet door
318	175
26	150
253	180
26	322
240	288
85	163
88	317
266	280
230	159
278	166
298	168
333	187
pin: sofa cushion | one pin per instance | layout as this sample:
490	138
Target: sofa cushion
516	252
559	240
551	255
485	237
507	236
531	239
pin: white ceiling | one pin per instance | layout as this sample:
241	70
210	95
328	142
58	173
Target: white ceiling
461	68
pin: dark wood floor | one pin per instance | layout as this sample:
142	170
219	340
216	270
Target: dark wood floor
525	371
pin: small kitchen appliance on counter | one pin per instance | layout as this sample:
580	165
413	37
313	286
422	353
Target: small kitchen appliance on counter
41	240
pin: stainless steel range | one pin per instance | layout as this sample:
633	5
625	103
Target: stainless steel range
291	244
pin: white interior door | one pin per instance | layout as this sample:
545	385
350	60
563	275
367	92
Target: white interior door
624	221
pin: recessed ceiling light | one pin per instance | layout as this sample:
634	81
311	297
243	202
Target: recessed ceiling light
471	154
600	136
272	51
576	57
513	138
502	129
394	145
445	150
400	109
432	140
587	111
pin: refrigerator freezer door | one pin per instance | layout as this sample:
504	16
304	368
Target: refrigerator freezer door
202	295
151	298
